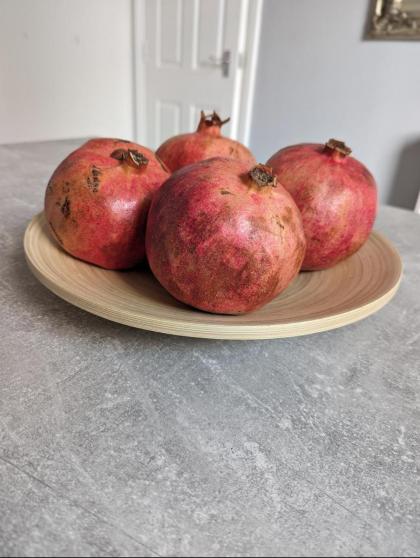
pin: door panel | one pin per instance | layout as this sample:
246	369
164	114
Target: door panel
210	30
169	32
168	119
184	41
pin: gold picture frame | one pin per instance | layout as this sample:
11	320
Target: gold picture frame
395	19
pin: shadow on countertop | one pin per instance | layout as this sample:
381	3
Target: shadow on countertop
406	182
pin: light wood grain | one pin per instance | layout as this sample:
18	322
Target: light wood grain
314	302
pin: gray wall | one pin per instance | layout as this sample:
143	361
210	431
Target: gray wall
317	78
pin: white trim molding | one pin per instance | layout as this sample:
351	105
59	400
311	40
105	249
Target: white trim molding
250	61
139	77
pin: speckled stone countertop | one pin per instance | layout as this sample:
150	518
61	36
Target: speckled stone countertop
118	442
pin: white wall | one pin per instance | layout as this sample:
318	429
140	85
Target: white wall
65	69
318	79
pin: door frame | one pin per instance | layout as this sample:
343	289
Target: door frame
249	39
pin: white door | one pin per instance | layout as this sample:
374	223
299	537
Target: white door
192	60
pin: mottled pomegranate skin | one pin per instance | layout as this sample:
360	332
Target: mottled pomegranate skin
336	195
97	204
205	143
219	241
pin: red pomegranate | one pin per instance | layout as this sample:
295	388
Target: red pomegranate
205	143
224	238
97	200
336	195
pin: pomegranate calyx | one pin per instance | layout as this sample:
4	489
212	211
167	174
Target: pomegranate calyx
130	156
263	175
337	146
208	120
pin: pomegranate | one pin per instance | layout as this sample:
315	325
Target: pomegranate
205	143
336	195
224	238
97	200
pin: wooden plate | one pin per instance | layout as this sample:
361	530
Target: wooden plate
315	301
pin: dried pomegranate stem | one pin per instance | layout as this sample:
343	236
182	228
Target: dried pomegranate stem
338	147
263	175
212	119
130	156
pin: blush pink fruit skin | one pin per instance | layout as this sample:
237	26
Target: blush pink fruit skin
96	204
206	143
336	195
219	241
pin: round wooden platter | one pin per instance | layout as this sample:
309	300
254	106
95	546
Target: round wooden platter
315	301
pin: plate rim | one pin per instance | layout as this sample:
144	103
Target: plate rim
230	331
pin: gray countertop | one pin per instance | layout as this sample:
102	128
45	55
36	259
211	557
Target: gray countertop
119	442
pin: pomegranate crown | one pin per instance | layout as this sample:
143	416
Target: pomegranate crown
212	119
263	175
337	146
130	156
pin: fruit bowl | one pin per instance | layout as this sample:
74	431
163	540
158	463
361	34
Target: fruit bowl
316	301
